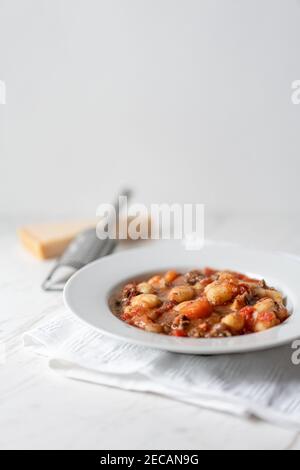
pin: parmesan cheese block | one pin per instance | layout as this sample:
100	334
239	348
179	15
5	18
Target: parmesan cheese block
47	241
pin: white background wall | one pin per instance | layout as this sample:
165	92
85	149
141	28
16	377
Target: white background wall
186	100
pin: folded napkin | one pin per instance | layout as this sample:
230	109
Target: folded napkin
266	385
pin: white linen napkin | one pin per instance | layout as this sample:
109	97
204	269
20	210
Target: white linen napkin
264	385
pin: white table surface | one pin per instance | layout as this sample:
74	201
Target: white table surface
41	410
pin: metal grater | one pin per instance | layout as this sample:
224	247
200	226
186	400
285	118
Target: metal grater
84	249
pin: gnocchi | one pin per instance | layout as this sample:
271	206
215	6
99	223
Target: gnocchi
200	304
181	294
219	293
234	321
146	300
145	288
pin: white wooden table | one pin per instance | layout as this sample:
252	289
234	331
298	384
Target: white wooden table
41	410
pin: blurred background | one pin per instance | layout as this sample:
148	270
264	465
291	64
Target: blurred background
184	100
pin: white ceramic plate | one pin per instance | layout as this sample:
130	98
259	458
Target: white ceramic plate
88	291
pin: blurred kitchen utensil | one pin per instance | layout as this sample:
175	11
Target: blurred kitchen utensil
84	249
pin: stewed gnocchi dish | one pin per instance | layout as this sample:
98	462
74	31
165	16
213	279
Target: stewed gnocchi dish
200	304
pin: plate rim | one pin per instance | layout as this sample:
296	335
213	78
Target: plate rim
179	345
